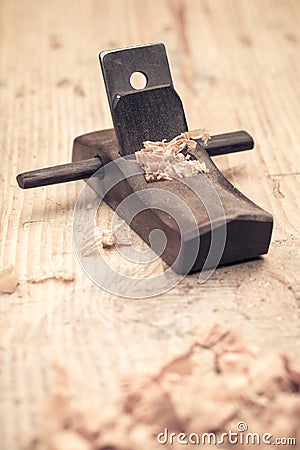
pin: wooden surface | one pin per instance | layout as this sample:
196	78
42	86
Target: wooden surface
236	66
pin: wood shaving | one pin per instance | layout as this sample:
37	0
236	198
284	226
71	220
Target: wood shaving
200	166
107	239
184	396
94	237
9	280
58	275
157	176
201	133
165	161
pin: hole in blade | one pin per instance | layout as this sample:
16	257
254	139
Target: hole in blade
138	80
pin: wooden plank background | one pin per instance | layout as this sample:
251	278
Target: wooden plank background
236	65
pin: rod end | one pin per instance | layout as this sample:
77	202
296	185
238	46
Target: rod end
20	181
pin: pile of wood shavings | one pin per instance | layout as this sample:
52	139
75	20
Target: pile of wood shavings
184	396
165	161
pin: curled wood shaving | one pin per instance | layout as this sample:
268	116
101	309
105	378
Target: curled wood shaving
107	239
201	133
174	147
94	237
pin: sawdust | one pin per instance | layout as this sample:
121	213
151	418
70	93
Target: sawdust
163	160
260	390
9	280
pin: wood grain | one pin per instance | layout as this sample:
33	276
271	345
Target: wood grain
236	66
